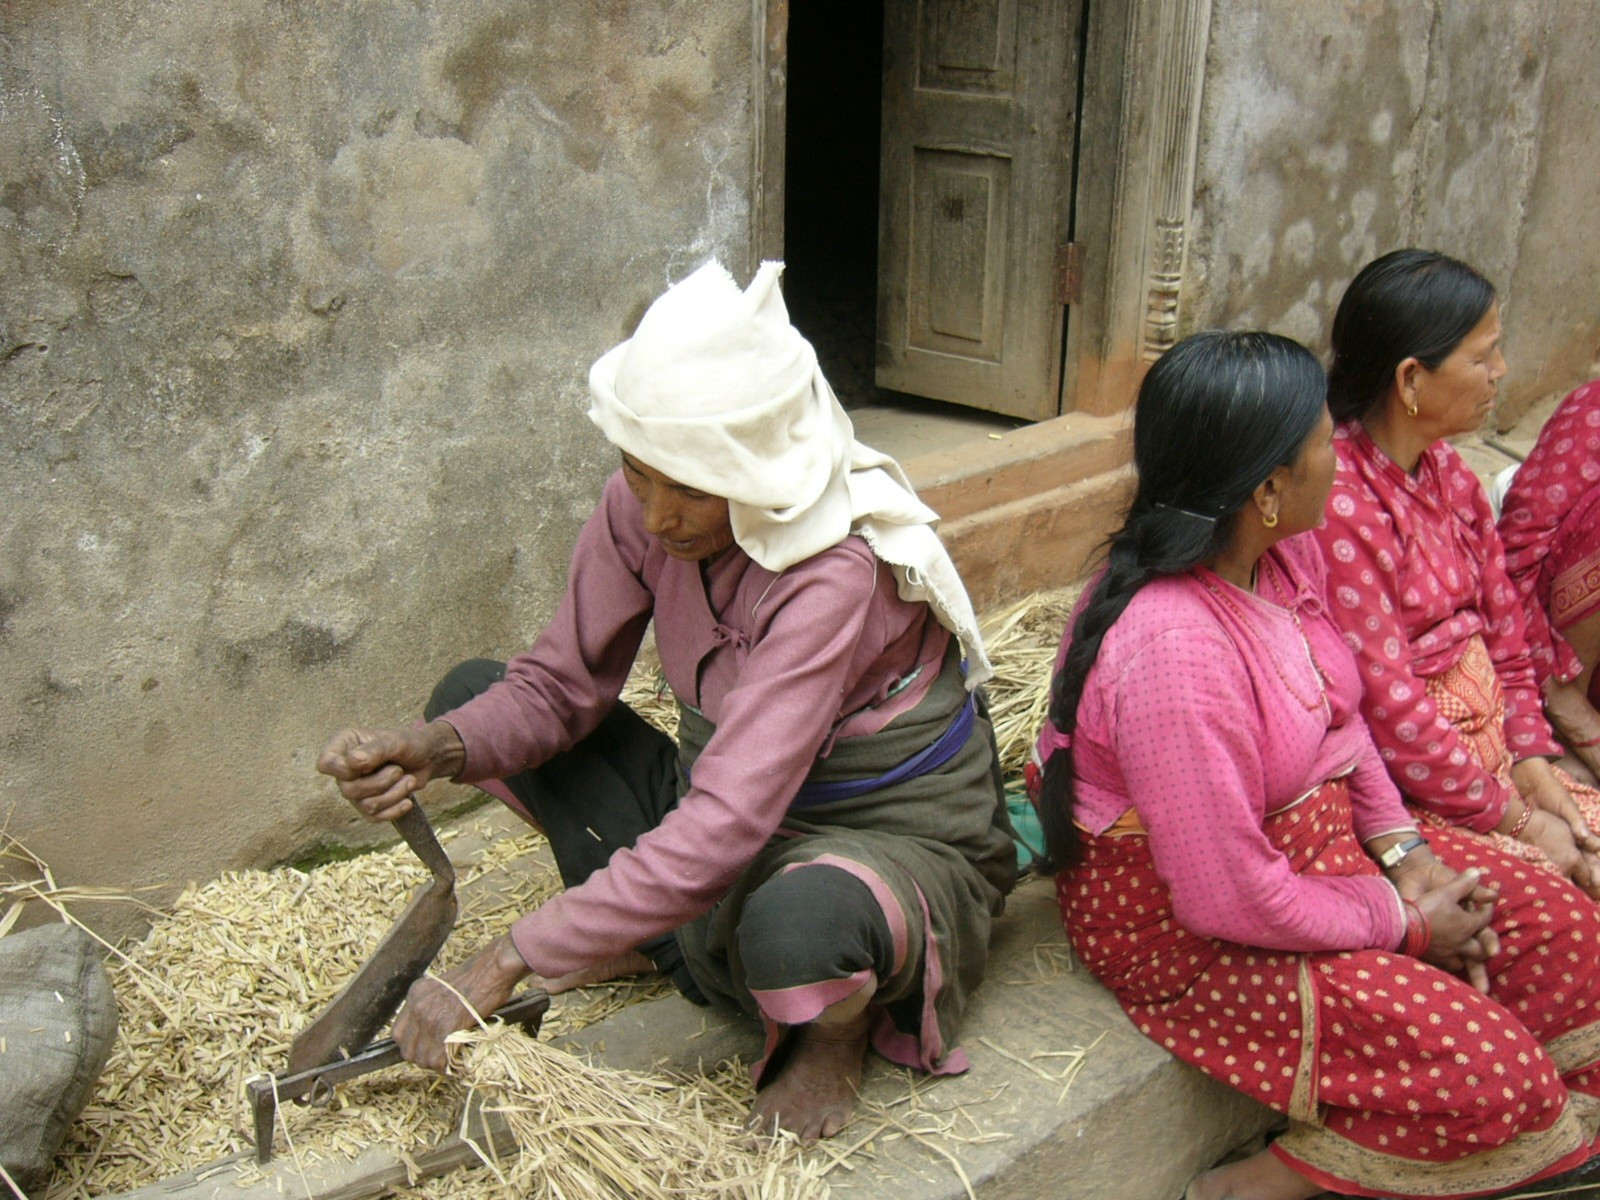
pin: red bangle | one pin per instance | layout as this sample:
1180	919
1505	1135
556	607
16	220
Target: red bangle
1419	934
1584	745
1521	822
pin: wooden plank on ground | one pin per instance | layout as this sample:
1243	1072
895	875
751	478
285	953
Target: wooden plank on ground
373	1173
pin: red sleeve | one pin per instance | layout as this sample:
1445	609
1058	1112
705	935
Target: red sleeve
1541	494
1527	732
1423	751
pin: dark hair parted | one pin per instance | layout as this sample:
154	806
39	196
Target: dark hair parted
1408	304
1216	415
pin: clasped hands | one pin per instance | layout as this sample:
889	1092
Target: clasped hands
1556	826
1459	907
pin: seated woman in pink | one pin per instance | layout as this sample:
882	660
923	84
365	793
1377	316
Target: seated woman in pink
1550	523
1237	866
1417	575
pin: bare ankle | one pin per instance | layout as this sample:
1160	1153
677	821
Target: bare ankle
1262	1176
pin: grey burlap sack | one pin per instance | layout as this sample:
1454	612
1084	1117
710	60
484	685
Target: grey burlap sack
58	1018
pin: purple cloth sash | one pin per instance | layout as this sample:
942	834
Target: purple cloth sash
930	758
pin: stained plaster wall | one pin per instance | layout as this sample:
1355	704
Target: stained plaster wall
1335	130
296	307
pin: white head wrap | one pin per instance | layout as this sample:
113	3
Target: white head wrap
717	390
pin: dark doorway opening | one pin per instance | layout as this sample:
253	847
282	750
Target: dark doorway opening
835	82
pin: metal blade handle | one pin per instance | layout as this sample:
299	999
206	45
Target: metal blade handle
419	835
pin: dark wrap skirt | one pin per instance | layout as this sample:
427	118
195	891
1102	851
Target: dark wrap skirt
936	851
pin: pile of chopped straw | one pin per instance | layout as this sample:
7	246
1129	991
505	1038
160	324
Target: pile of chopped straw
223	982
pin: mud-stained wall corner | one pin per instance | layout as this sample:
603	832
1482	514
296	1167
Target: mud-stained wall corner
297	308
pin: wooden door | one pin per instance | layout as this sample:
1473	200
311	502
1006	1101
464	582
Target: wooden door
979	118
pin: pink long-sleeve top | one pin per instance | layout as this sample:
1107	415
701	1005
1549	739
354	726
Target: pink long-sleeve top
1208	708
1559	482
782	663
1415	570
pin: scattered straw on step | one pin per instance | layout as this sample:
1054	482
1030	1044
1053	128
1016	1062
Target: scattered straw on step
1022	640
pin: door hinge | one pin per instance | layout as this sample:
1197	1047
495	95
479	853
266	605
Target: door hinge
1069	274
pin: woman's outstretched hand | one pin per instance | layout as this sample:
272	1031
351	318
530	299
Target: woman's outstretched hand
378	769
434	1009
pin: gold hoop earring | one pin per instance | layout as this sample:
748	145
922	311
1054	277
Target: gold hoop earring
1411	409
1271	521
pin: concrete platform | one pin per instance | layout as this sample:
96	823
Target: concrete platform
1130	1123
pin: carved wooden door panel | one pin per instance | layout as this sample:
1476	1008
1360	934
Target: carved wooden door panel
979	117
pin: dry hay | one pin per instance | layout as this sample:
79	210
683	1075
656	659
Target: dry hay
592	1133
221	984
1022	640
647	693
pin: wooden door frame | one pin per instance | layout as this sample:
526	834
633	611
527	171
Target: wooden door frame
1138	141
769	93
1139	129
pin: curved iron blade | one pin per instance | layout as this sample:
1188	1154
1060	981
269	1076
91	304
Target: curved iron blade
367	1002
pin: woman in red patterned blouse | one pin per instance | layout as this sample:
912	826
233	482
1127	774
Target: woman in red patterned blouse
1417	575
1550	524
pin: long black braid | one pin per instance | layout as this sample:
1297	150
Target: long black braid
1216	415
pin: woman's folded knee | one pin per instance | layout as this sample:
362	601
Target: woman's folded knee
812	923
461	683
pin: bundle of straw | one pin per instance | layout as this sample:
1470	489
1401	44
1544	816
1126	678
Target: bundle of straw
222	983
591	1133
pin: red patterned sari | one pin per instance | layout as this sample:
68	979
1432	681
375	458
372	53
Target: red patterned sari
1469	696
1397	1077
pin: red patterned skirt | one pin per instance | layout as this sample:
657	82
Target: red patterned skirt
1397	1078
1469	696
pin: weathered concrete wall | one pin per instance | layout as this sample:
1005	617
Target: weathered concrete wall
1335	130
297	307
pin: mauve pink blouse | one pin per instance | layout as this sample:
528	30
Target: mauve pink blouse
782	663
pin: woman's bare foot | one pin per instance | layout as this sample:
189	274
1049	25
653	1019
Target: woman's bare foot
815	1092
1260	1177
631	963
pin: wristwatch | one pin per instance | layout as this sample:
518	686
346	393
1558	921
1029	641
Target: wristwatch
1395	854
